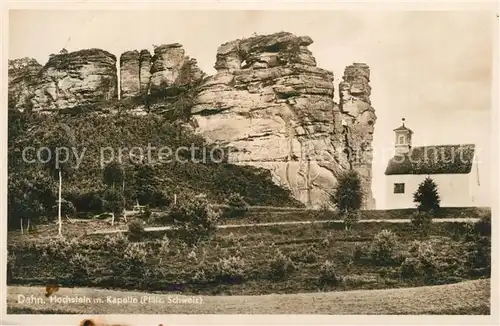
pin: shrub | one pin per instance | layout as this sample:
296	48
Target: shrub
196	220
11	265
383	247
67	208
135	258
281	265
422	222
199	276
426	196
116	243
60	248
483	226
328	274
237	206
348	195
136	229
79	267
307	255
479	256
230	269
359	252
192	256
421	261
410	267
164	245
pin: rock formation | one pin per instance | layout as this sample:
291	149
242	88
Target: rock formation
268	103
145	70
168	67
274	108
130	84
22	78
79	79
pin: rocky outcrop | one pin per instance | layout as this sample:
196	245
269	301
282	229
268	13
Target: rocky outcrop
169	67
78	79
274	108
130	84
145	70
360	118
23	74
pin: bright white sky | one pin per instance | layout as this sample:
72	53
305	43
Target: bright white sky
433	68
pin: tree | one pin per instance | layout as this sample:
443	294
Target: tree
114	202
348	197
60	143
113	174
427	196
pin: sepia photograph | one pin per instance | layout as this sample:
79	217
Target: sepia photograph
264	162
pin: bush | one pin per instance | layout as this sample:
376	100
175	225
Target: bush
196	220
421	261
67	208
237	206
135	258
383	247
136	229
79	267
60	249
479	256
281	265
116	244
348	195
359	252
307	255
422	222
230	269
483	226
410	268
328	274
427	197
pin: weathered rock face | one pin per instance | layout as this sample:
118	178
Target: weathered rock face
168	67
360	118
81	78
274	108
145	70
22	77
130	84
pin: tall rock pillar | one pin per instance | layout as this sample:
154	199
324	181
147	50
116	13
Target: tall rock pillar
359	118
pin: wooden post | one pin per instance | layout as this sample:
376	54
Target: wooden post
59	204
175	199
22	231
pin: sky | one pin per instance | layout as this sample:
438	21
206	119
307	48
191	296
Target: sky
432	68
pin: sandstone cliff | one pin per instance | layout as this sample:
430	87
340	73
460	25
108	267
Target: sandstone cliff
81	78
22	78
274	108
141	73
268	102
78	79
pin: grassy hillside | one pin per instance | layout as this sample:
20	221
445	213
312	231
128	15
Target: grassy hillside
471	297
250	255
98	136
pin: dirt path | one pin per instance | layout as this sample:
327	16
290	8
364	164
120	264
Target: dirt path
231	226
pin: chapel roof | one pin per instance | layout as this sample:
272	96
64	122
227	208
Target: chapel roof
440	159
